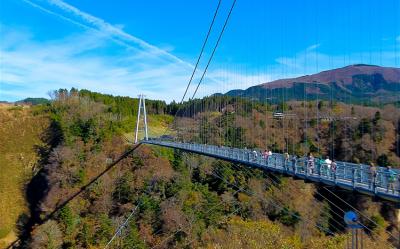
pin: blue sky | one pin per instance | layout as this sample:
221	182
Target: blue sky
129	47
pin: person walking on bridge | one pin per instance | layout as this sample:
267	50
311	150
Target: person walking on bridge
320	163
265	154
294	162
254	155
286	160
333	168
391	178
269	154
328	163
310	164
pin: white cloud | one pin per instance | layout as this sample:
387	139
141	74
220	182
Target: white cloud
229	79
310	61
86	20
32	68
313	47
40	70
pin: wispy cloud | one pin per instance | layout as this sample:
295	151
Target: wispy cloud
30	68
311	60
233	80
85	20
35	67
313	47
38	67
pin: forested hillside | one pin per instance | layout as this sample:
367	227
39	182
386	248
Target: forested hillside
353	133
190	201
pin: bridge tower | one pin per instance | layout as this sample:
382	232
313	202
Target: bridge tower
141	109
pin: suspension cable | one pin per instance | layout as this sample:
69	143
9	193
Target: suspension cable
341	209
198	60
250	174
215	48
358	211
83	188
201	51
194	219
122	226
276	204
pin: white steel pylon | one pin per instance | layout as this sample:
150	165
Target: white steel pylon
142	107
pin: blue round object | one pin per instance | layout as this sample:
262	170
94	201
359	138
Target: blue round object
351	219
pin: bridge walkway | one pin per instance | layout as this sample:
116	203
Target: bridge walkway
349	176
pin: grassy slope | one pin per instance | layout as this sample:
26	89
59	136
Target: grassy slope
157	126
19	134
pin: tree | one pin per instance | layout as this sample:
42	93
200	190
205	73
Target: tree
238	233
47	236
282	107
123	191
68	219
288	217
383	160
321	105
377	223
172	216
132	239
104	229
377	117
364	127
262	124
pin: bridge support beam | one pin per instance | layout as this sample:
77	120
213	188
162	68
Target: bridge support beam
141	108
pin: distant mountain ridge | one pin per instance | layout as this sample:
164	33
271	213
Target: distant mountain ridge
354	83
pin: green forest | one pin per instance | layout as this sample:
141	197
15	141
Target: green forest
183	200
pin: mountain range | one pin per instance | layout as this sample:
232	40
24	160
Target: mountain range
358	83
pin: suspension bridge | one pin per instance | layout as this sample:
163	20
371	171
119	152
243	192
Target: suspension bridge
376	182
348	176
380	182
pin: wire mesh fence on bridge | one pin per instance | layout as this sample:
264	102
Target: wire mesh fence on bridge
345	175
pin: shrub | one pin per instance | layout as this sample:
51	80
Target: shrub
377	222
288	217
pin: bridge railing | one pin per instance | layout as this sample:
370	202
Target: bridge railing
349	174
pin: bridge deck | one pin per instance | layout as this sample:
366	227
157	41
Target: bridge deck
350	176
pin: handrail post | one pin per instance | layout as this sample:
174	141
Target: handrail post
319	169
307	170
335	173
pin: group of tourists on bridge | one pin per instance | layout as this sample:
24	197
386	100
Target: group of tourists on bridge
328	168
366	177
327	165
391	175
